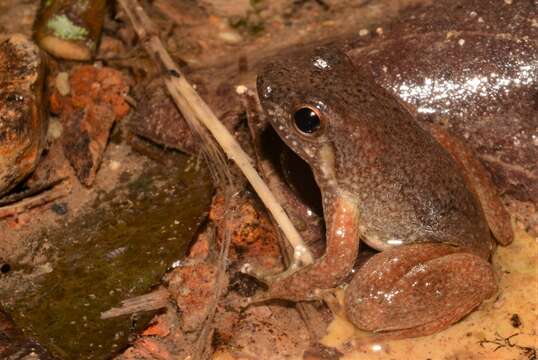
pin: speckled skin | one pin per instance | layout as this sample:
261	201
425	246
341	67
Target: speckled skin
387	181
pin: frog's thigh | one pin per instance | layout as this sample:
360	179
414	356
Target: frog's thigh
418	289
480	180
329	270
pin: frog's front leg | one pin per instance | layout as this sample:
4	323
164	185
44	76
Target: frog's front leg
419	289
329	270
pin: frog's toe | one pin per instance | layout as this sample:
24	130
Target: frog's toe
418	289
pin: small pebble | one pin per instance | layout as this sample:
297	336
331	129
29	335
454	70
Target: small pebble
60	208
379	31
230	37
241	89
55	129
114	165
461	42
62	83
515	320
363	32
508	2
451	34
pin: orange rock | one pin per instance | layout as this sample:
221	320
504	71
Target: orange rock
151	349
95	100
158	328
200	248
193	288
23	126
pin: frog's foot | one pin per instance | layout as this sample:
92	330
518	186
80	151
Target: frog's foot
311	282
480	181
415	290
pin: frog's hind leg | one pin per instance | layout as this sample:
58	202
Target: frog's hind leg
311	282
415	290
480	180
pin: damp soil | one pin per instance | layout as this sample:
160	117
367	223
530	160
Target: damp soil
120	249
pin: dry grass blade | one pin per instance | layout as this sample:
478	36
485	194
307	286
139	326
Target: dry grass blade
196	111
147	302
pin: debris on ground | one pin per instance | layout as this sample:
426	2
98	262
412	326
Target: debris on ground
89	100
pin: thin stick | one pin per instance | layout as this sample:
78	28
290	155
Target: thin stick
195	110
34	201
153	301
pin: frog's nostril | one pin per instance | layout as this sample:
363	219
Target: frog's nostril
307	120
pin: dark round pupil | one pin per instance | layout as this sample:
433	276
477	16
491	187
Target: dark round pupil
307	120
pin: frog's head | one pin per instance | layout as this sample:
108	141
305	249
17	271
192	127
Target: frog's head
309	99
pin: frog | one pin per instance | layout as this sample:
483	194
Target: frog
416	194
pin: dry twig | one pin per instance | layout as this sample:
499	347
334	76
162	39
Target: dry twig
197	112
34	201
153	301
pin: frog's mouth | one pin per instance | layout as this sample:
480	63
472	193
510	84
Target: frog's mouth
292	181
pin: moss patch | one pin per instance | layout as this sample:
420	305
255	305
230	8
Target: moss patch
63	28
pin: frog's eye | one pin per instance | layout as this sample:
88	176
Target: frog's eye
307	120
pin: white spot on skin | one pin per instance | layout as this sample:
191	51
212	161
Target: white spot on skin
508	2
114	165
321	63
394	242
267	92
461	42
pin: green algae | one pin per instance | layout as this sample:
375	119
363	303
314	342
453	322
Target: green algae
63	28
119	250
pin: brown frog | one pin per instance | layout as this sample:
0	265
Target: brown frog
417	195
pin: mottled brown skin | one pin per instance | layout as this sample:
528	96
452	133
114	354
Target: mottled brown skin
387	181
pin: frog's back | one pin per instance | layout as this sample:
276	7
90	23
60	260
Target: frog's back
408	186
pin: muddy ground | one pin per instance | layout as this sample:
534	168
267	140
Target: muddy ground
72	259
